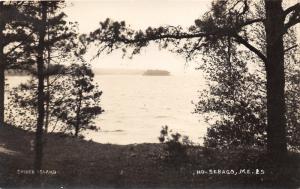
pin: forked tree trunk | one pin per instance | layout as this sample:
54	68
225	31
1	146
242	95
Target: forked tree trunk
41	78
276	132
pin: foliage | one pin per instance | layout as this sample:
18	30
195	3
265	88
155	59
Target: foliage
13	38
60	35
232	104
14	35
81	106
225	19
292	88
66	110
59	45
176	146
235	103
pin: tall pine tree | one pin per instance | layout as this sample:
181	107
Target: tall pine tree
48	24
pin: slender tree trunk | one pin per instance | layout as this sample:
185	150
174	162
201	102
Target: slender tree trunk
47	106
2	70
276	143
41	78
2	86
48	84
48	93
77	126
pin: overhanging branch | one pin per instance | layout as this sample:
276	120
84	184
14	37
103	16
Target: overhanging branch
159	37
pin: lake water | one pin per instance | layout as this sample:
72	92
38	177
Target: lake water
136	107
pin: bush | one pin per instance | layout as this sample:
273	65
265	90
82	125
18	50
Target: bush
176	146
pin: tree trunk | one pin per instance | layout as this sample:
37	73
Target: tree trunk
48	91
277	146
2	85
41	108
47	113
2	70
77	126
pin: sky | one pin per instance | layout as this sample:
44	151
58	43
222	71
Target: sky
139	14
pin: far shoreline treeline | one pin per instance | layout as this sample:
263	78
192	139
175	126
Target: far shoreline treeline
16	73
106	71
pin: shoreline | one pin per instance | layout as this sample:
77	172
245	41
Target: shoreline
71	162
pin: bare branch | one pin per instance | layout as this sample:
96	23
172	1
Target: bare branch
244	42
20	44
249	22
290	48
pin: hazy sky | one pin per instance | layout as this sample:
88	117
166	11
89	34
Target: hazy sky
139	14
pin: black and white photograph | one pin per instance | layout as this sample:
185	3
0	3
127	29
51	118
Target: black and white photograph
150	94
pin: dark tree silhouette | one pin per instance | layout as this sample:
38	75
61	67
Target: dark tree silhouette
61	81
47	24
41	95
74	101
226	19
11	31
235	102
81	105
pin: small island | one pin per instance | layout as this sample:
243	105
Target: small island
156	73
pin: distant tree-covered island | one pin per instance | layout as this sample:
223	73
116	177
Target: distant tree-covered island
156	73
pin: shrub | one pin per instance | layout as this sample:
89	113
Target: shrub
175	147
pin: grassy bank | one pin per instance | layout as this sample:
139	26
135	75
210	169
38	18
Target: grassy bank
85	164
